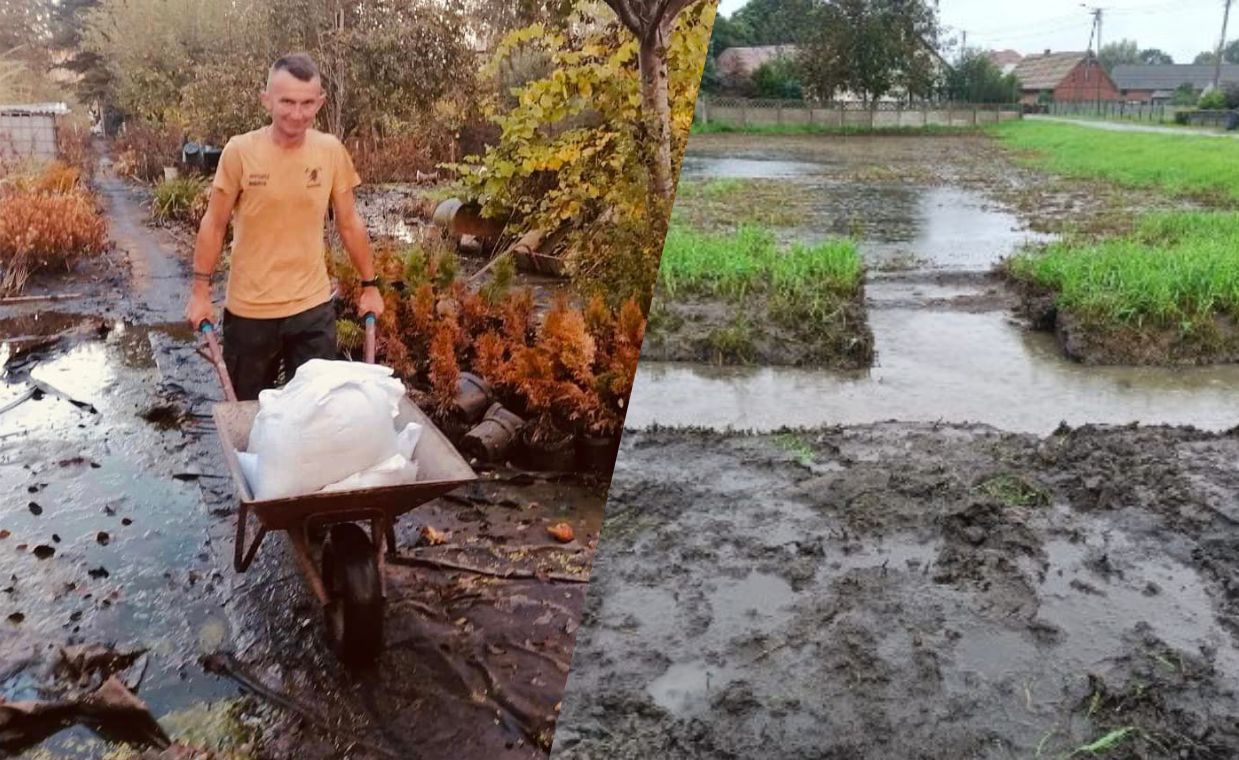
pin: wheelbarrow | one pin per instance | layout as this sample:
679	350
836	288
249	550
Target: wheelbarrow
348	578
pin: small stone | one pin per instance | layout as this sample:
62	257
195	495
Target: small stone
35	509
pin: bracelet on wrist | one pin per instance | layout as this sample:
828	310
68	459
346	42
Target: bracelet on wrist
372	283
204	276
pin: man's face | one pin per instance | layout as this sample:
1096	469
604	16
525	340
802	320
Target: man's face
292	103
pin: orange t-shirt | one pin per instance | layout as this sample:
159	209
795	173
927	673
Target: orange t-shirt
278	264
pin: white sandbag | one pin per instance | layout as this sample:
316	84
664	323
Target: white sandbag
406	440
332	420
249	467
396	471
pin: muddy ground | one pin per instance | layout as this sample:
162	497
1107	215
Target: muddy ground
114	447
750	331
914	591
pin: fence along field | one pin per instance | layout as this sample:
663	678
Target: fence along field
754	112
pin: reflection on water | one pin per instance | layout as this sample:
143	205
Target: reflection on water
939	365
898	224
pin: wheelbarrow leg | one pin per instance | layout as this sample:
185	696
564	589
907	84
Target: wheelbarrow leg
391	539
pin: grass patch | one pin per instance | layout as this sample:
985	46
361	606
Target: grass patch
732	265
796	446
1177	269
715	204
717	128
1198	167
182	199
1013	491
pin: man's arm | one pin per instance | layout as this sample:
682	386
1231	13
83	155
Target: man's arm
357	242
207	249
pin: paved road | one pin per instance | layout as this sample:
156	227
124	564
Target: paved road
1115	126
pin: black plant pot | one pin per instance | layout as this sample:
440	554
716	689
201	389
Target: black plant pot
555	455
597	453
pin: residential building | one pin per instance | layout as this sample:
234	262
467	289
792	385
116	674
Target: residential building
1063	78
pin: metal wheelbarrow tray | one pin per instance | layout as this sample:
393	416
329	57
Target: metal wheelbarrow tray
349	580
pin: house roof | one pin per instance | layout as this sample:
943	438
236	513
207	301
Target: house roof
743	61
1045	72
1170	76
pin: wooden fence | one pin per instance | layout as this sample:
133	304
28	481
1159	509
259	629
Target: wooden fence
754	112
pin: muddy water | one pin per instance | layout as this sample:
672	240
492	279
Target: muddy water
133	564
946	346
860	592
939	365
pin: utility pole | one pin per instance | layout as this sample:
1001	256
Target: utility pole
1221	45
1096	13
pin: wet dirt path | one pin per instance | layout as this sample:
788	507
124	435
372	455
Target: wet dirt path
933	216
116	468
905	590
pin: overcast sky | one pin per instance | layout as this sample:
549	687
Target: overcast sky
1182	28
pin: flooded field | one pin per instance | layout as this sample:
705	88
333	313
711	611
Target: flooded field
946	342
966	551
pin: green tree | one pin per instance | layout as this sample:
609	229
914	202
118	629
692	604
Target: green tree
1155	57
871	48
778	78
1185	95
975	79
775	22
1119	53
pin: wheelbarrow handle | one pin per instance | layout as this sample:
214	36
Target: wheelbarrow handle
217	358
370	320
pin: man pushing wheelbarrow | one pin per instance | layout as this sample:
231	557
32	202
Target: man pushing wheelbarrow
276	184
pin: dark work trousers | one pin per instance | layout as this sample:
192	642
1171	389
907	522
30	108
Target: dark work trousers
259	351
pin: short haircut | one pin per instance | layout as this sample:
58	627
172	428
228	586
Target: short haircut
299	65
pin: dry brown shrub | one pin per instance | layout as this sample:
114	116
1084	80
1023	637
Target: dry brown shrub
42	231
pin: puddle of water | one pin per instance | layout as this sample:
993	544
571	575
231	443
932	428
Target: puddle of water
702	167
1094	621
759	600
127	535
688	687
939	366
896	555
909	225
898	224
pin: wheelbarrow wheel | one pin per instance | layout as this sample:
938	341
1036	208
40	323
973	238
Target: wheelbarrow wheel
355	612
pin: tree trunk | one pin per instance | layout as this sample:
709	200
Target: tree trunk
656	107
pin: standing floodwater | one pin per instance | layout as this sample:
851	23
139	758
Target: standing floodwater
947	347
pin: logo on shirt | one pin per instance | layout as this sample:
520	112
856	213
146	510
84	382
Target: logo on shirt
257	180
312	177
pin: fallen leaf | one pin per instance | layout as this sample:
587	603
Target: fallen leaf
432	536
561	532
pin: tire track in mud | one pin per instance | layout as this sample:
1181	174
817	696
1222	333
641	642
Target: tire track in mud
913	590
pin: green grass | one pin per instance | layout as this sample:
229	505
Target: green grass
174	198
796	446
1183	166
732	265
1013	491
715	128
1177	269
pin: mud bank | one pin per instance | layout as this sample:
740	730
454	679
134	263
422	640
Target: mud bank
756	331
1105	342
913	590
